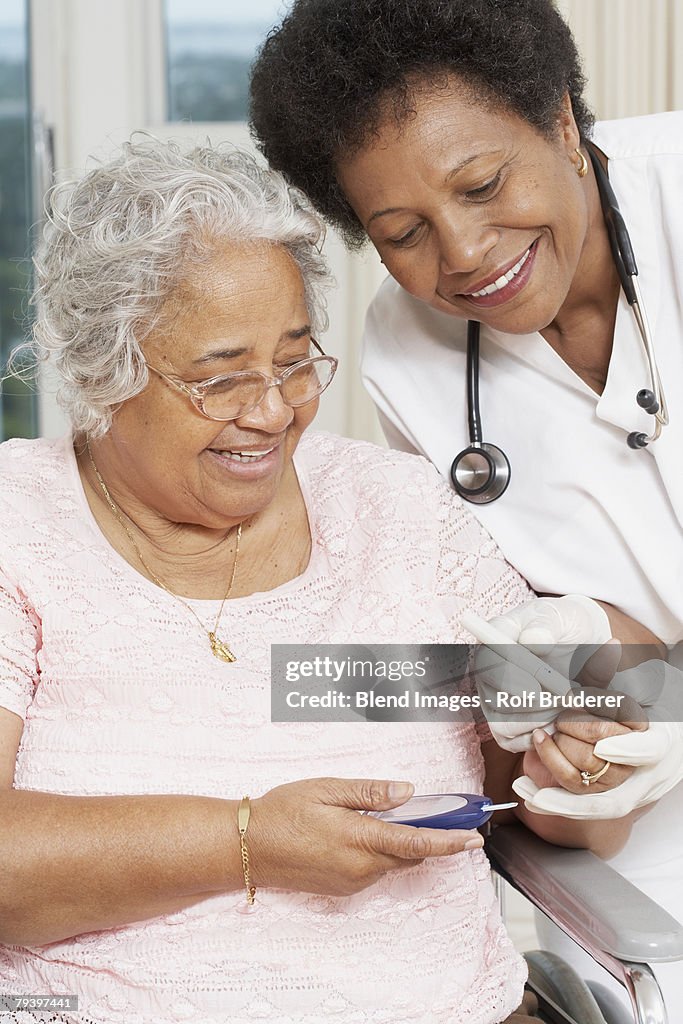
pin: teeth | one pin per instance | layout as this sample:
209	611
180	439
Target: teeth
504	279
245	456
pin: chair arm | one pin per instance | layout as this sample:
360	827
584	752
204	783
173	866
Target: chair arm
586	898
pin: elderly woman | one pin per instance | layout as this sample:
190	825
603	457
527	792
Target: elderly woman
454	136
149	560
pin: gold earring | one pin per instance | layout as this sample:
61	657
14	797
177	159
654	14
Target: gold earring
582	169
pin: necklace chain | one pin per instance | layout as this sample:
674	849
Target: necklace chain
219	648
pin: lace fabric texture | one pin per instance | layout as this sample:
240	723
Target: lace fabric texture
120	694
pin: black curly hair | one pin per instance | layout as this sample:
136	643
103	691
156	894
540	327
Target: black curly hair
322	81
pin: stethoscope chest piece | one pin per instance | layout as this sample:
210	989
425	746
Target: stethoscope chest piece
480	473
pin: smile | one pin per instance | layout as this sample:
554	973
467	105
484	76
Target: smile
244	456
506	285
249	464
504	279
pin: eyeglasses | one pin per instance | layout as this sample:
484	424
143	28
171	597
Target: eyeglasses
235	394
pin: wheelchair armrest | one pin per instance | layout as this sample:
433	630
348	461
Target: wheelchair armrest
586	898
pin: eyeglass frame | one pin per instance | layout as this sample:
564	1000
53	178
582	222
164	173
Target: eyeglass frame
195	392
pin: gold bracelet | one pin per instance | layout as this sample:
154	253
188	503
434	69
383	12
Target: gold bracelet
243	813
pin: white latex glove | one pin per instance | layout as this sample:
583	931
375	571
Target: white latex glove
564	632
657	752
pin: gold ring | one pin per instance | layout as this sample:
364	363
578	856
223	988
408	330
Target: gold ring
588	777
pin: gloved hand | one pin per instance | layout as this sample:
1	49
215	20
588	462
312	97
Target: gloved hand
657	752
564	632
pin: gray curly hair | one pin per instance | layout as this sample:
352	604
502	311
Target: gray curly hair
118	241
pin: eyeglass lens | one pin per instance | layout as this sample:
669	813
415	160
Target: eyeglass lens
230	397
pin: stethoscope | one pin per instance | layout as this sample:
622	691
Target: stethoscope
481	472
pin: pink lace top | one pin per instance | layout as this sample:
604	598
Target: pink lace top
120	695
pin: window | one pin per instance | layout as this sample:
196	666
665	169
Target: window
17	401
210	47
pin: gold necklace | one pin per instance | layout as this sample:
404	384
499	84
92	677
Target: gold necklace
219	648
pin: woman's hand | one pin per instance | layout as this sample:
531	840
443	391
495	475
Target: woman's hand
557	805
308	836
558	760
650	749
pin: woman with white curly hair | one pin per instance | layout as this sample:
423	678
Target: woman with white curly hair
148	561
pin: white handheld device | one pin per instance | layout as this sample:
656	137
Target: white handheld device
494	638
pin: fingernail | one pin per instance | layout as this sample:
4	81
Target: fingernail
539	735
474	844
400	790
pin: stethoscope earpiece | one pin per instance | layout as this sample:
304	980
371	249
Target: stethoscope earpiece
647	401
636	439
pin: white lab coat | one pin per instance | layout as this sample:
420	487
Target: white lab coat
583	513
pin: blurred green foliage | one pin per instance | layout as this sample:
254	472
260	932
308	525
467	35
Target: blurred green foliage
209	87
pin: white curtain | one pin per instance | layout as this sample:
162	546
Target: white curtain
629	49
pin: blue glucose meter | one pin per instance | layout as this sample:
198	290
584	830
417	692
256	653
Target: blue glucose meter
442	810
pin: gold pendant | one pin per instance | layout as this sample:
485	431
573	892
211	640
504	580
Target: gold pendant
220	649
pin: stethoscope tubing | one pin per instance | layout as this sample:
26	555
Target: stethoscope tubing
627	268
473	413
